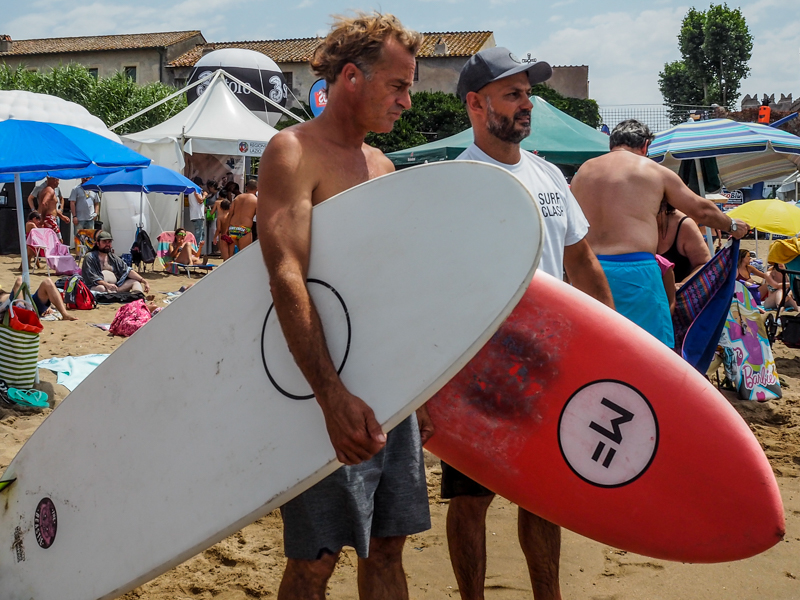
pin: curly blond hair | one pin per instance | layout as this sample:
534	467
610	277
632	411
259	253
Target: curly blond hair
359	40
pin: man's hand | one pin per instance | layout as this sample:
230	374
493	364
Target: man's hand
742	229
111	287
75	220
426	429
355	434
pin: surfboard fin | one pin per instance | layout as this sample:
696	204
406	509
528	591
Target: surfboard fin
4	485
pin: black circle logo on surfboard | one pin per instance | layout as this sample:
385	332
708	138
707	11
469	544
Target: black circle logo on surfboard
45	523
608	433
279	363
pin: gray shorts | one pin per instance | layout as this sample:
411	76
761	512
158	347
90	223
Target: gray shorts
386	496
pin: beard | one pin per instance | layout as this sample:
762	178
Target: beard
505	129
104	250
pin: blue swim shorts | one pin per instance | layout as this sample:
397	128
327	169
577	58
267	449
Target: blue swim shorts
638	290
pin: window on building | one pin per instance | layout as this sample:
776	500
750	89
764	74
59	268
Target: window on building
93	71
130	72
416	71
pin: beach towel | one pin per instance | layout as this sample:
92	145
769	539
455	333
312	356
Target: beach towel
746	354
702	305
72	369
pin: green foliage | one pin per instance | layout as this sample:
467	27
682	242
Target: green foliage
675	82
715	47
288	122
112	99
585	111
432	116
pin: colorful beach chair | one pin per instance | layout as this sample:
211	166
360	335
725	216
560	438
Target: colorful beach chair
164	240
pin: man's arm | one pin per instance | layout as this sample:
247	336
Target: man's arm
702	210
72	198
585	272
31	202
284	231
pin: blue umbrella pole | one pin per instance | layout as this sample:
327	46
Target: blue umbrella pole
23	247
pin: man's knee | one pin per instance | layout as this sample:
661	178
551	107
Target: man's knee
314	572
470	506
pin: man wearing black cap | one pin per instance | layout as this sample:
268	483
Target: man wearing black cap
495	86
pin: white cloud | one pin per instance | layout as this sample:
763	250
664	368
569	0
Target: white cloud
625	52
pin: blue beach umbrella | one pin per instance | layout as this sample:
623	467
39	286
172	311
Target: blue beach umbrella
32	150
155	179
746	153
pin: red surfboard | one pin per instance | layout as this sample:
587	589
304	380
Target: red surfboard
576	414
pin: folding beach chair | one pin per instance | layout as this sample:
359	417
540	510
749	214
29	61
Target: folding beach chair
84	240
56	254
164	240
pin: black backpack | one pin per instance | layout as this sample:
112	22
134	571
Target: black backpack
142	250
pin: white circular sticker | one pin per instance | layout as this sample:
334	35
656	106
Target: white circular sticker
608	433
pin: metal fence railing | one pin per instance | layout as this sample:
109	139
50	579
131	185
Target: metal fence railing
657	116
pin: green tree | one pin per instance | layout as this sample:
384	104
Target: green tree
585	110
715	47
111	99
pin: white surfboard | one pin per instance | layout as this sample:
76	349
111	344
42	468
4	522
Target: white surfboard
202	423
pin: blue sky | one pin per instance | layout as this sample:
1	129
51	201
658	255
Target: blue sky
624	42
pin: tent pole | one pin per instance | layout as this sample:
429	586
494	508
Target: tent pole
23	247
755	233
141	220
182	196
702	187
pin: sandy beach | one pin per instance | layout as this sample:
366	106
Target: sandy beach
249	564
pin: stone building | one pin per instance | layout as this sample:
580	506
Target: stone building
143	56
170	57
439	62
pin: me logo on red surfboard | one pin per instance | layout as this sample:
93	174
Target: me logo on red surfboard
608	433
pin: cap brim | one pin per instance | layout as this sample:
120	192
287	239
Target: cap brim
537	72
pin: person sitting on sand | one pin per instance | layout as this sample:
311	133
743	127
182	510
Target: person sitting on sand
34	222
181	251
774	286
745	270
104	271
45	296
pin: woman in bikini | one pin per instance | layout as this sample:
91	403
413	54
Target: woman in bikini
680	242
774	284
181	250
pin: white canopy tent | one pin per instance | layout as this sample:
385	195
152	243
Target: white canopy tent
119	211
216	123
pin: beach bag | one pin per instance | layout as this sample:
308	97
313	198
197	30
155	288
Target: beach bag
19	342
791	331
142	250
129	319
746	353
77	295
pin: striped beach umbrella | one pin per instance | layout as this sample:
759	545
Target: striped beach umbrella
746	153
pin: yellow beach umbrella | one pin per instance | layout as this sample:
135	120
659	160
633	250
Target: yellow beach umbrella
769	216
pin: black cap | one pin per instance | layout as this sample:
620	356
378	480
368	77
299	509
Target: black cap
497	63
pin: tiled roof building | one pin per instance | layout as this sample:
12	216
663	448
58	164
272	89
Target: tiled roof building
144	56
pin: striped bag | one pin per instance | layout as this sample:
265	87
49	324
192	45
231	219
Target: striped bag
19	343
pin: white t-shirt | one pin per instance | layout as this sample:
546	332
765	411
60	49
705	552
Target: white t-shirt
564	222
197	210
